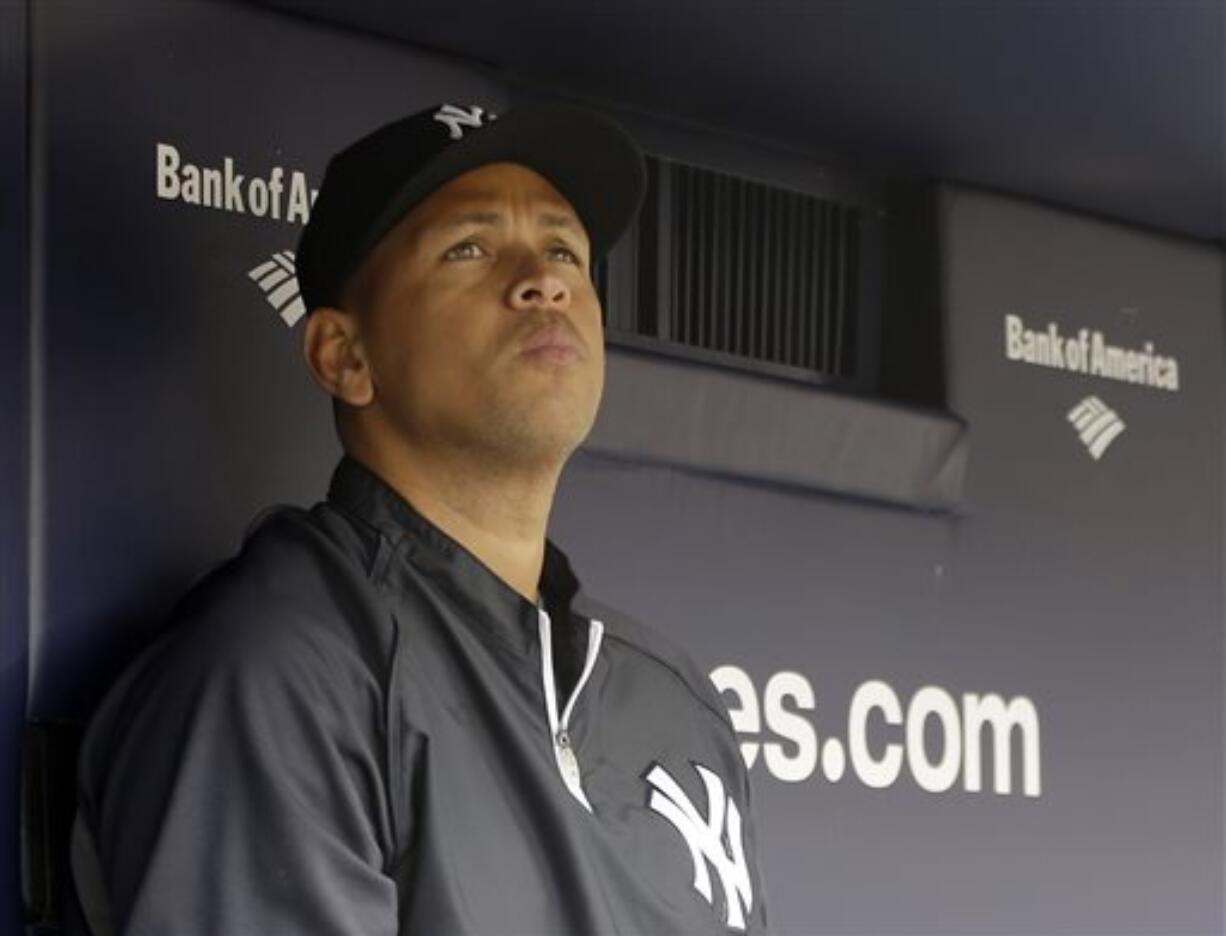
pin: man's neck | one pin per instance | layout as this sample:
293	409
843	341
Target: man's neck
500	516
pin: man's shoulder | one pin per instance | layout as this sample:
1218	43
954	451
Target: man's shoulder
298	570
297	594
293	554
653	652
290	616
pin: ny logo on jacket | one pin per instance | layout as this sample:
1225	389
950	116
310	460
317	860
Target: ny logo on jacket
706	838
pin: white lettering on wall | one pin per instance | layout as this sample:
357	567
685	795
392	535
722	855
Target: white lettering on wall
883	735
224	188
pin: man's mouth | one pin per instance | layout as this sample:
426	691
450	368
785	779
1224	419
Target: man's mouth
555	341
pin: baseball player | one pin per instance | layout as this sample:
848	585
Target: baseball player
398	712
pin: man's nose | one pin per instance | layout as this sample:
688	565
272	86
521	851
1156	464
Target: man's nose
537	286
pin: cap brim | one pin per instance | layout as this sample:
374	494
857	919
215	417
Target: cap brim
589	159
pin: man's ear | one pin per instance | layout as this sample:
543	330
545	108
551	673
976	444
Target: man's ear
336	357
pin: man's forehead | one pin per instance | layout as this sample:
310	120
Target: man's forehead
482	195
489	212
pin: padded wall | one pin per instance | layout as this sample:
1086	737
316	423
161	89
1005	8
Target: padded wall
14	318
1004	717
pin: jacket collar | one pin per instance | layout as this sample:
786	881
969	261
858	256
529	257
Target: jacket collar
360	492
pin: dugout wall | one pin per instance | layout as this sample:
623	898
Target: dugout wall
975	657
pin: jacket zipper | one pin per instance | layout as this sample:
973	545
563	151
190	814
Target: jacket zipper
563	750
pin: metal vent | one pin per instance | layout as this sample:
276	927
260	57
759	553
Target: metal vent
746	270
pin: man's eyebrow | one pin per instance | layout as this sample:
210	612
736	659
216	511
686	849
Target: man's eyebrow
466	218
552	220
484	217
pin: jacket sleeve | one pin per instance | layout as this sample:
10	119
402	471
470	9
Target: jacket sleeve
756	922
234	783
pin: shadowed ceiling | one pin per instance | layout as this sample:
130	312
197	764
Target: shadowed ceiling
1116	108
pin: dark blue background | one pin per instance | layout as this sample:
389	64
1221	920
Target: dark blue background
13	424
174	408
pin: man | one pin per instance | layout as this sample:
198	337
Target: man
397	713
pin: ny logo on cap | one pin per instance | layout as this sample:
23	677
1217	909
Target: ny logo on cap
457	118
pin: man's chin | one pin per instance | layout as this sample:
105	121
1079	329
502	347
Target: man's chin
547	432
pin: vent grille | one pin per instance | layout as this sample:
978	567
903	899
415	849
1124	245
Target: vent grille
746	270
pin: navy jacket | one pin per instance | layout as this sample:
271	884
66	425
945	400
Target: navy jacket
355	727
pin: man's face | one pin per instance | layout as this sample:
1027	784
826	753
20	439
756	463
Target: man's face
480	323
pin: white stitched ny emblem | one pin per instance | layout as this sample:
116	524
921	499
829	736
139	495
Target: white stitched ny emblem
457	118
715	840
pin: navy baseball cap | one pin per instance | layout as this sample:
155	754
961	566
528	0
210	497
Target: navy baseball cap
369	186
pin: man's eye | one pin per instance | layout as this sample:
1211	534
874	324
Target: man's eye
567	254
468	250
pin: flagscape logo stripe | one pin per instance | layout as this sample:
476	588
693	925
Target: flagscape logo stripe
1097	425
277	280
263	269
1105	438
275	277
1083	414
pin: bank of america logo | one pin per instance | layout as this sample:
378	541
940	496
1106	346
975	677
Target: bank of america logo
277	281
1097	424
713	839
